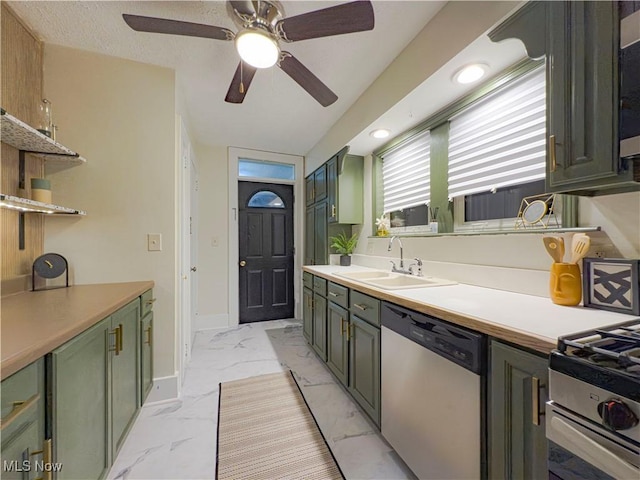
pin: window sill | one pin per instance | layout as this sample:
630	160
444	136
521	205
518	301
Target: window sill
495	232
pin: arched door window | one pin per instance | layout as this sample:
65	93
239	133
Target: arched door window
265	199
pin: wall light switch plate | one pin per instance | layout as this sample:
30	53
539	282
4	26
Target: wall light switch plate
154	242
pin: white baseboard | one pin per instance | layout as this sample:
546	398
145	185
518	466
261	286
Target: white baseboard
164	389
211	322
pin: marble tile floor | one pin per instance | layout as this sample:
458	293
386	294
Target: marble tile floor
177	440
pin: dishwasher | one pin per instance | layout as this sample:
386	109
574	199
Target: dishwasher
433	392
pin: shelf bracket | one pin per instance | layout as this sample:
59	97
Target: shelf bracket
21	174
21	231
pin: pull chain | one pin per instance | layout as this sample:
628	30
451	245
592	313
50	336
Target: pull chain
241	82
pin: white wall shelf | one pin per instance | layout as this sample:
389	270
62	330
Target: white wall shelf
55	156
25	205
27	139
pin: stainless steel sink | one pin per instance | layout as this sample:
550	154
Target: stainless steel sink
394	281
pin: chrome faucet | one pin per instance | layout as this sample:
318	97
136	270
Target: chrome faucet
394	268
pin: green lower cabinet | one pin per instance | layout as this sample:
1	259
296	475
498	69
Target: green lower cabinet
364	366
125	372
307	314
320	326
80	403
146	356
518	383
338	342
23	419
94	387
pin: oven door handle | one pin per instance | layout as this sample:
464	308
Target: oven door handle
589	450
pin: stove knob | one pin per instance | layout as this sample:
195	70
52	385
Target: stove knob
616	415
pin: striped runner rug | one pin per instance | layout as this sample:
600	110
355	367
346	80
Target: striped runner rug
266	431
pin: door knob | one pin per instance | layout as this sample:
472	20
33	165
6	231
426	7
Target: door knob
242	263
193	269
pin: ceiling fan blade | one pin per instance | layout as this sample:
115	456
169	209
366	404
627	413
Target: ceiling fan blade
176	27
307	80
240	83
346	18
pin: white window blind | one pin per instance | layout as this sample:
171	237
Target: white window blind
405	174
501	140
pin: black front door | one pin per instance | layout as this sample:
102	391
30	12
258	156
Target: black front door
266	251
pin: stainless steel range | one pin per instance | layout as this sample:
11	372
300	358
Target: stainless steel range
594	409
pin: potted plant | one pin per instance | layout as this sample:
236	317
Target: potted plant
344	246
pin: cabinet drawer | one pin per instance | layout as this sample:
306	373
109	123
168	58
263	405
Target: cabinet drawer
365	307
338	294
307	279
147	302
320	286
22	386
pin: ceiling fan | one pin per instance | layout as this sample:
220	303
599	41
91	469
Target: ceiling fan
262	26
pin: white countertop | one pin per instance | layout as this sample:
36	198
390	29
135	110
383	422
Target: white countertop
527	320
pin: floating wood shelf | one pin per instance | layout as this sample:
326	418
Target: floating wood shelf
25	205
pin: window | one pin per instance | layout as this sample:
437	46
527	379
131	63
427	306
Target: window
497	153
406	180
262	169
265	199
500	141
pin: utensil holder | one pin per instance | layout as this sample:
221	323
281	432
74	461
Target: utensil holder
565	284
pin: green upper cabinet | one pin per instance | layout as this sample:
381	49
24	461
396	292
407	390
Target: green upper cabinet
582	118
581	44
344	188
308	190
320	184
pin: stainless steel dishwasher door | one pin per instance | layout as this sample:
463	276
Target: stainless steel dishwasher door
430	410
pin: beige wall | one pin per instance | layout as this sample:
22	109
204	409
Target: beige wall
120	115
450	31
213	220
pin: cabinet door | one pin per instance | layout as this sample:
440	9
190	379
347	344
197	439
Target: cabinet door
22	430
307	314
320	326
517	441
332	189
310	236
338	342
146	356
320	183
582	91
80	403
18	448
321	241
308	190
125	376
364	366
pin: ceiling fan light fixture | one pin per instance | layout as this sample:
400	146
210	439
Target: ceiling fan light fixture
257	48
470	73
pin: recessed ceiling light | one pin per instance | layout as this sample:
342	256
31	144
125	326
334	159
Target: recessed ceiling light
380	133
470	73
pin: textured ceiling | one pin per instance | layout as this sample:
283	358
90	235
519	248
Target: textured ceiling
277	114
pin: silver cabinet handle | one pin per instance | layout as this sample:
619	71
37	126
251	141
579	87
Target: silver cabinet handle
334	294
360	307
535	400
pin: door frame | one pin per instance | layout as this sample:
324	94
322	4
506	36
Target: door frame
234	154
186	166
